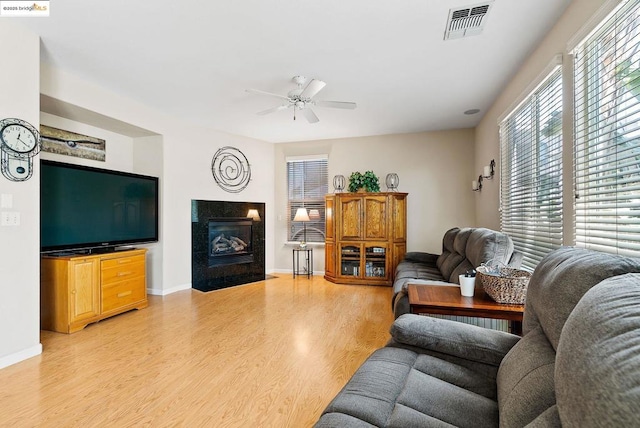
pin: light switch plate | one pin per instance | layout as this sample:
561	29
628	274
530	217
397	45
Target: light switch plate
10	218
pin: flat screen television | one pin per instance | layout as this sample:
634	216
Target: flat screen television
90	208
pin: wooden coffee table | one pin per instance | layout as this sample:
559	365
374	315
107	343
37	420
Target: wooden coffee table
447	300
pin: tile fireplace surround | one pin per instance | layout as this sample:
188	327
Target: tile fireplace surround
226	249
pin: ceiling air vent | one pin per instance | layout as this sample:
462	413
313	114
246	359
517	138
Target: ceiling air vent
468	21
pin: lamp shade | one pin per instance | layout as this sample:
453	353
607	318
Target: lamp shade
314	214
253	214
301	215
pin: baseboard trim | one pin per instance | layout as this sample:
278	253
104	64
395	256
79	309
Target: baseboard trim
158	292
25	354
290	272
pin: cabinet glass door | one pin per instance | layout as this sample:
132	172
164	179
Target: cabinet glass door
375	263
350	260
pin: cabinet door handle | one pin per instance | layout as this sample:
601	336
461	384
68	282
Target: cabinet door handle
124	273
123	261
124	293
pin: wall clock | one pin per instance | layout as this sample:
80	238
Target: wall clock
19	143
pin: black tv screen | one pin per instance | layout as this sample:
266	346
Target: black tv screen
85	208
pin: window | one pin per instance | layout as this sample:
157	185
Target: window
531	165
607	135
307	183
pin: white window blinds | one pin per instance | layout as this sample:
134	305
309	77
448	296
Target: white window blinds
607	135
531	171
307	183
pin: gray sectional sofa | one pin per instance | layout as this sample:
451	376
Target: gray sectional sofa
577	364
462	249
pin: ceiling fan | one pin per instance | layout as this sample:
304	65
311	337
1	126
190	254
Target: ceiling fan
301	99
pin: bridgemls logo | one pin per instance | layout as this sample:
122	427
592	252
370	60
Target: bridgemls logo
24	8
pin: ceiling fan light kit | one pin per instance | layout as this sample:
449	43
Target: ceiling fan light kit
301	98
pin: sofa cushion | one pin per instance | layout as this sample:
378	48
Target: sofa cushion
371	393
525	380
421	257
438	399
333	420
461	239
415	270
455	374
397	387
598	363
450	258
547	419
486	244
447	245
559	282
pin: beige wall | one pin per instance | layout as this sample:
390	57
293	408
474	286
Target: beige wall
435	168
577	16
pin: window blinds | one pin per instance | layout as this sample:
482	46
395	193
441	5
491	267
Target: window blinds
607	135
531	171
307	183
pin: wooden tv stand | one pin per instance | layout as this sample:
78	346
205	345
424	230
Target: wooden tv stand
77	290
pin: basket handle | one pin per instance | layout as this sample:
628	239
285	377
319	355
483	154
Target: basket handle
493	266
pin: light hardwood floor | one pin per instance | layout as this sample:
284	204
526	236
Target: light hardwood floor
267	354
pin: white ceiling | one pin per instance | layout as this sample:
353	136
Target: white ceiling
194	59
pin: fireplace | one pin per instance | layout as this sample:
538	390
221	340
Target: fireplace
230	241
227	247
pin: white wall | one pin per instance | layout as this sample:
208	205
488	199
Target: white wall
141	155
176	151
20	245
487	135
435	168
186	156
119	148
148	160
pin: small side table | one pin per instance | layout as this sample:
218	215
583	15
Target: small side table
306	268
446	300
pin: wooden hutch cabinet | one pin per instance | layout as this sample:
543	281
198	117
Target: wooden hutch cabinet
365	237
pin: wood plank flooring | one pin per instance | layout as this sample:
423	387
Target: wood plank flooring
267	354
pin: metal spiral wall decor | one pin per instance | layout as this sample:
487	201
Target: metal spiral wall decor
231	169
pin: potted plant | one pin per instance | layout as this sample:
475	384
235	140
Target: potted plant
367	181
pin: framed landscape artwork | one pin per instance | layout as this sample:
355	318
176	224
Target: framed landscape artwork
69	143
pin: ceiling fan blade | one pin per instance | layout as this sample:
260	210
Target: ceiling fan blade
272	110
336	104
259	92
310	115
312	88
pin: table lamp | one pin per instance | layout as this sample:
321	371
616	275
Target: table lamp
253	214
303	216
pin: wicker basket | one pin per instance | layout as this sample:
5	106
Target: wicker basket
509	286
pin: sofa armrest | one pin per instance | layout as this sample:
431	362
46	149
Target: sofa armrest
420	257
453	338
